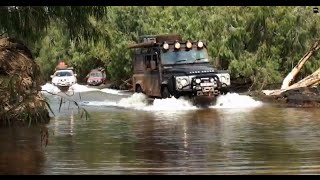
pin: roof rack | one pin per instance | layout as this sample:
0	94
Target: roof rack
142	45
160	38
151	40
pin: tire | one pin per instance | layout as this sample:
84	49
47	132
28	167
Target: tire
165	92
138	89
225	91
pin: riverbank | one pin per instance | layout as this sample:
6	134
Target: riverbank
300	97
21	102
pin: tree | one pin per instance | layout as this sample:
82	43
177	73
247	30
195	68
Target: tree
28	22
261	44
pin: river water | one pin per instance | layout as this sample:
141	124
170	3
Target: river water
127	134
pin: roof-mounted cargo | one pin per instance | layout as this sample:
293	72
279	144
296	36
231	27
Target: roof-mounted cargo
160	38
151	40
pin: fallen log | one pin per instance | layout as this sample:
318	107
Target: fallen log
291	76
127	82
308	81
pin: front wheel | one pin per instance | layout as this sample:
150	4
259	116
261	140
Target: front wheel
165	93
139	89
224	90
177	96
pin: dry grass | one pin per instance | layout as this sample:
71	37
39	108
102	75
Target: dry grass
21	100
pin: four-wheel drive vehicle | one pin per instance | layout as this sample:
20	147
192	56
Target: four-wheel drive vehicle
96	77
64	77
165	66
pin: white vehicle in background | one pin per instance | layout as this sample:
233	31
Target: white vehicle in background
64	78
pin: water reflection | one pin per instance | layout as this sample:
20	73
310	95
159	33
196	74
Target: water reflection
265	140
21	151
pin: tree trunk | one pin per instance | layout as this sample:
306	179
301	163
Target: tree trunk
308	81
290	77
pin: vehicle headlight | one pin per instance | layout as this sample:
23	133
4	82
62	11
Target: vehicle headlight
165	46
223	79
177	45
182	81
198	81
200	44
189	44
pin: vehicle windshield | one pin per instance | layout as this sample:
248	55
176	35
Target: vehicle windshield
63	73
96	74
184	57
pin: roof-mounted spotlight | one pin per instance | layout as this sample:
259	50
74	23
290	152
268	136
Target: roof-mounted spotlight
189	44
177	45
165	46
200	44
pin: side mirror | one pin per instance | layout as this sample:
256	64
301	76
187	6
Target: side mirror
75	75
153	65
52	76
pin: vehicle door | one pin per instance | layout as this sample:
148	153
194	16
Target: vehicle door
151	80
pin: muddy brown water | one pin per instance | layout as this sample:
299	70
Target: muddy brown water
165	138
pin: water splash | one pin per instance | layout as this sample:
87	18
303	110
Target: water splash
113	91
98	103
80	88
171	104
234	100
136	101
50	88
140	101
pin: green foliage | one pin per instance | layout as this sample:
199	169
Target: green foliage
260	43
120	66
30	22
